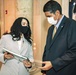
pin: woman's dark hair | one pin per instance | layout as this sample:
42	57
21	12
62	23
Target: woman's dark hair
15	30
52	6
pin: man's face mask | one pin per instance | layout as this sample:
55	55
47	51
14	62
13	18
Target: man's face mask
51	20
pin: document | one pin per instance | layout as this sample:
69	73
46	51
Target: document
17	55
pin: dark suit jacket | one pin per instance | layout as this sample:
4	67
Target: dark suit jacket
61	50
70	9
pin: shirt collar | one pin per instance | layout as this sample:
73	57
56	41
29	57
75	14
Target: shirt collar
57	25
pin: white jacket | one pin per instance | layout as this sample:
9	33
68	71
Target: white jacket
14	66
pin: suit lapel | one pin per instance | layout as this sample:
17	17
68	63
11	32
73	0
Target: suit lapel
49	36
58	31
22	45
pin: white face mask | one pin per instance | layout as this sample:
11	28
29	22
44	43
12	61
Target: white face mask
51	20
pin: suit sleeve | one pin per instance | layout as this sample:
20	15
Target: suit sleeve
70	55
47	39
44	54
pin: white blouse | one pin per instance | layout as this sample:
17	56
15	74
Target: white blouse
19	43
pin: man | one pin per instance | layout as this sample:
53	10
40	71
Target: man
59	56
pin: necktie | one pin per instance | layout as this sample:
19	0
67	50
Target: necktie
54	31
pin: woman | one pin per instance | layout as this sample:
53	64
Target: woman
19	42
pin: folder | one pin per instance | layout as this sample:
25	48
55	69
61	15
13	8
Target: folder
15	54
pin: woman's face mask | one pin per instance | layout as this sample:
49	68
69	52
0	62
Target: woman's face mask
24	29
51	20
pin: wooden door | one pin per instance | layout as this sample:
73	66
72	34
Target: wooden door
8	15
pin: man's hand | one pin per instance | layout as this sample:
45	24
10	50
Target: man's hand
48	65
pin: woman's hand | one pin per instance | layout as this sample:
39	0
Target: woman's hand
8	55
27	63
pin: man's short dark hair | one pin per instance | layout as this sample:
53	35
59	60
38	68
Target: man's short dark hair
52	7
